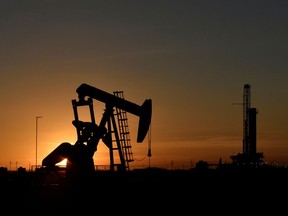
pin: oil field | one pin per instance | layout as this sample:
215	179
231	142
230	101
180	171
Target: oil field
101	77
247	183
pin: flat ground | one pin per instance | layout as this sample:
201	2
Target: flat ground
147	191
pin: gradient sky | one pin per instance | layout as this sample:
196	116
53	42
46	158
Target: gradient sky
191	57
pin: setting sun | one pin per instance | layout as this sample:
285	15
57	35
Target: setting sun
62	163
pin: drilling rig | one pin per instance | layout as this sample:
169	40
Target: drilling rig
80	155
249	153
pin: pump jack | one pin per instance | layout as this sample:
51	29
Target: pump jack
80	155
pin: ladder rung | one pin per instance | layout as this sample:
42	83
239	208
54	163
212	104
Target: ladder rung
123	119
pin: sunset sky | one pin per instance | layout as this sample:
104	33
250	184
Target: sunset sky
191	57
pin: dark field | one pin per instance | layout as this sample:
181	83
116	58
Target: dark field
148	191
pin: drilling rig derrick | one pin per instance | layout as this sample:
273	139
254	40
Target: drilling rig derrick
249	153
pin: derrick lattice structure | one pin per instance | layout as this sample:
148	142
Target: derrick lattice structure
249	153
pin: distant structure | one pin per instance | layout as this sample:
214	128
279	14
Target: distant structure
249	153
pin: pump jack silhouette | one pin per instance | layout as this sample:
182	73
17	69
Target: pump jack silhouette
80	155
